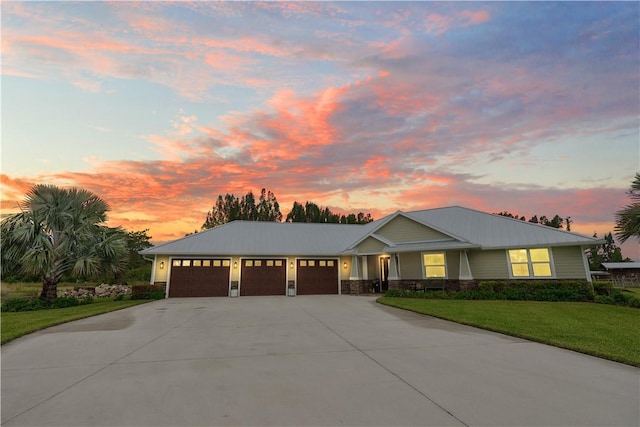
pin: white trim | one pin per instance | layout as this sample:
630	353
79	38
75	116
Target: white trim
424	267
464	264
585	263
530	264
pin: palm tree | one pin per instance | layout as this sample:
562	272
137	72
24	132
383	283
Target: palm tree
61	231
628	218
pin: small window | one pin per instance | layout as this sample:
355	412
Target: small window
226	263
197	263
176	263
312	263
435	265
322	263
257	263
303	263
206	263
530	262
186	262
269	263
248	263
330	263
278	263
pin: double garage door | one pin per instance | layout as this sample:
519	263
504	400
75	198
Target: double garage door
210	277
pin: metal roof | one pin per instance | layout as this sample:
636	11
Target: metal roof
491	231
265	238
620	265
468	229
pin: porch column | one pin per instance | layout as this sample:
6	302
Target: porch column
355	268
365	270
394	268
465	268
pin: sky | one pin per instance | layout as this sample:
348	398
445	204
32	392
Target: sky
157	107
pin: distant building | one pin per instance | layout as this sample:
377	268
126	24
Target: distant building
623	273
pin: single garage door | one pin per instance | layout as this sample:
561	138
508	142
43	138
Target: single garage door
199	278
263	277
317	276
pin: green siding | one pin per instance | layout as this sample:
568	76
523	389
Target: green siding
490	264
411	266
373	267
568	262
453	264
371	245
402	229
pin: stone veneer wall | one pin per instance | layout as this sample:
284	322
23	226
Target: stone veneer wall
356	287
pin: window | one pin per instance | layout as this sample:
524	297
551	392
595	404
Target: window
269	263
197	263
530	262
226	263
435	265
322	263
206	263
330	263
248	263
177	263
217	263
303	263
278	263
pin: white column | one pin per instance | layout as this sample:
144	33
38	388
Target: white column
394	268
355	268
365	270
465	268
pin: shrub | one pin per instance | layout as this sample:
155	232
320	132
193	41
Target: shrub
147	292
64	302
527	290
23	304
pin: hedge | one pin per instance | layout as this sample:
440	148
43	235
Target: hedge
147	292
529	290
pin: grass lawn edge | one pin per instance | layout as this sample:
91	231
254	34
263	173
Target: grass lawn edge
79	316
389	302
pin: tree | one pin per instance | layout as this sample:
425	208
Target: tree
607	252
61	231
231	208
311	212
628	218
556	222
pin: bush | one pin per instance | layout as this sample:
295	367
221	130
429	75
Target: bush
147	292
523	290
64	302
23	304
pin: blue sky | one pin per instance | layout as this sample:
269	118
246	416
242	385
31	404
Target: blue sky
159	107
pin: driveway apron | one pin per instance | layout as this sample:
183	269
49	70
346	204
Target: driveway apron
302	361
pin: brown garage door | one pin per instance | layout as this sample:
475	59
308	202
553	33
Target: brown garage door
263	277
199	278
317	276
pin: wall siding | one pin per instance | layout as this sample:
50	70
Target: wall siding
568	262
402	229
411	265
161	275
453	264
371	245
373	267
490	264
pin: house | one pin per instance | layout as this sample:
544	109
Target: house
623	273
444	247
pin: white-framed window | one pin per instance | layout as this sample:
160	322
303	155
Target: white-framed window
530	262
435	265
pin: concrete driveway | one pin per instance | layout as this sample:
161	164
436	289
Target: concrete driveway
308	360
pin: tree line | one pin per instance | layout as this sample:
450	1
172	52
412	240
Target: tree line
231	208
556	222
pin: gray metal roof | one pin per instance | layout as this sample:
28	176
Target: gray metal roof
620	265
491	231
468	229
265	238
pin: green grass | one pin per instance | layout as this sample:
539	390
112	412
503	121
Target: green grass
15	325
606	331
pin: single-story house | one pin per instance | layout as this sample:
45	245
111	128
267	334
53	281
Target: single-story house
443	247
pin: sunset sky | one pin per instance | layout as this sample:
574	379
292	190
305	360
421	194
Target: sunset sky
158	107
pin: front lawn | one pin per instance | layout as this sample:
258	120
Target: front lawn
606	331
15	325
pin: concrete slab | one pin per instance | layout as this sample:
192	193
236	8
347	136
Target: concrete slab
308	360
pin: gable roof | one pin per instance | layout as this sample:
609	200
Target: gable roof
490	231
467	229
265	238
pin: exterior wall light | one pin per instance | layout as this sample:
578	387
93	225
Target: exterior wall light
345	264
235	265
291	264
161	265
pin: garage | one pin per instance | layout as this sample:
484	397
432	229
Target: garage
263	277
199	278
317	276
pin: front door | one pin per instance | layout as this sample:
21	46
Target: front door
384	273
